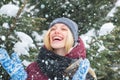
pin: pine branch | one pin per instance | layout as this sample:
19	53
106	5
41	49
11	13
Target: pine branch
21	9
15	19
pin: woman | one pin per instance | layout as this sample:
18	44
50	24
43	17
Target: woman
62	47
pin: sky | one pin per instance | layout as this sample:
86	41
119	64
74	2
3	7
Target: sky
22	47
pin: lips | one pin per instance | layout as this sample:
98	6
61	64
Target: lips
57	38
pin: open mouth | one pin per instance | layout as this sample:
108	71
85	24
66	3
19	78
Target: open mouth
57	38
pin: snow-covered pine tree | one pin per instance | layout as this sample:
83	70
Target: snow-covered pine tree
23	23
88	14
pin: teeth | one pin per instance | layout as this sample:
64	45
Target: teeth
57	38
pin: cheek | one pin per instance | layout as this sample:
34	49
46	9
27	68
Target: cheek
66	36
50	36
65	39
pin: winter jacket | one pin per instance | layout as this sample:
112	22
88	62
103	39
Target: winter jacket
41	71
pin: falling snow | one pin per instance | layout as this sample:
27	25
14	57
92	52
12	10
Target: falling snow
26	42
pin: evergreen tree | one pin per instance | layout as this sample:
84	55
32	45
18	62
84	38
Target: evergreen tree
22	23
106	62
88	14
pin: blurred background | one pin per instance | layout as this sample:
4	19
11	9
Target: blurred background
23	24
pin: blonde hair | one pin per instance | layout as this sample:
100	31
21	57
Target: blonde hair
69	42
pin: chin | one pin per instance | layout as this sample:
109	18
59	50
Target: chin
57	46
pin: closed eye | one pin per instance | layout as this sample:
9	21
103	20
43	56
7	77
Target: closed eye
53	28
65	29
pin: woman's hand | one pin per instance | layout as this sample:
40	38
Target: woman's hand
12	65
82	70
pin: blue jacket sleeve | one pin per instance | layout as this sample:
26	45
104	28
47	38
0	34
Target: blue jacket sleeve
12	65
82	70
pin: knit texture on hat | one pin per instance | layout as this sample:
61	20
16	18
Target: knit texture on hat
71	25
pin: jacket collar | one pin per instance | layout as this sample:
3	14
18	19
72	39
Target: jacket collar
78	51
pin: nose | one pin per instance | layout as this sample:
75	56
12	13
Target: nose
57	31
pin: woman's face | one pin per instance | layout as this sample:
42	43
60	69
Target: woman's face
58	36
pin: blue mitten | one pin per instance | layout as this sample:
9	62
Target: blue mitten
82	70
12	65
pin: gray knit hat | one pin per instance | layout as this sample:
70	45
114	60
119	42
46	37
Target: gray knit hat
71	25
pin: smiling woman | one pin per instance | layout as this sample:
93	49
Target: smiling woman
62	47
61	39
